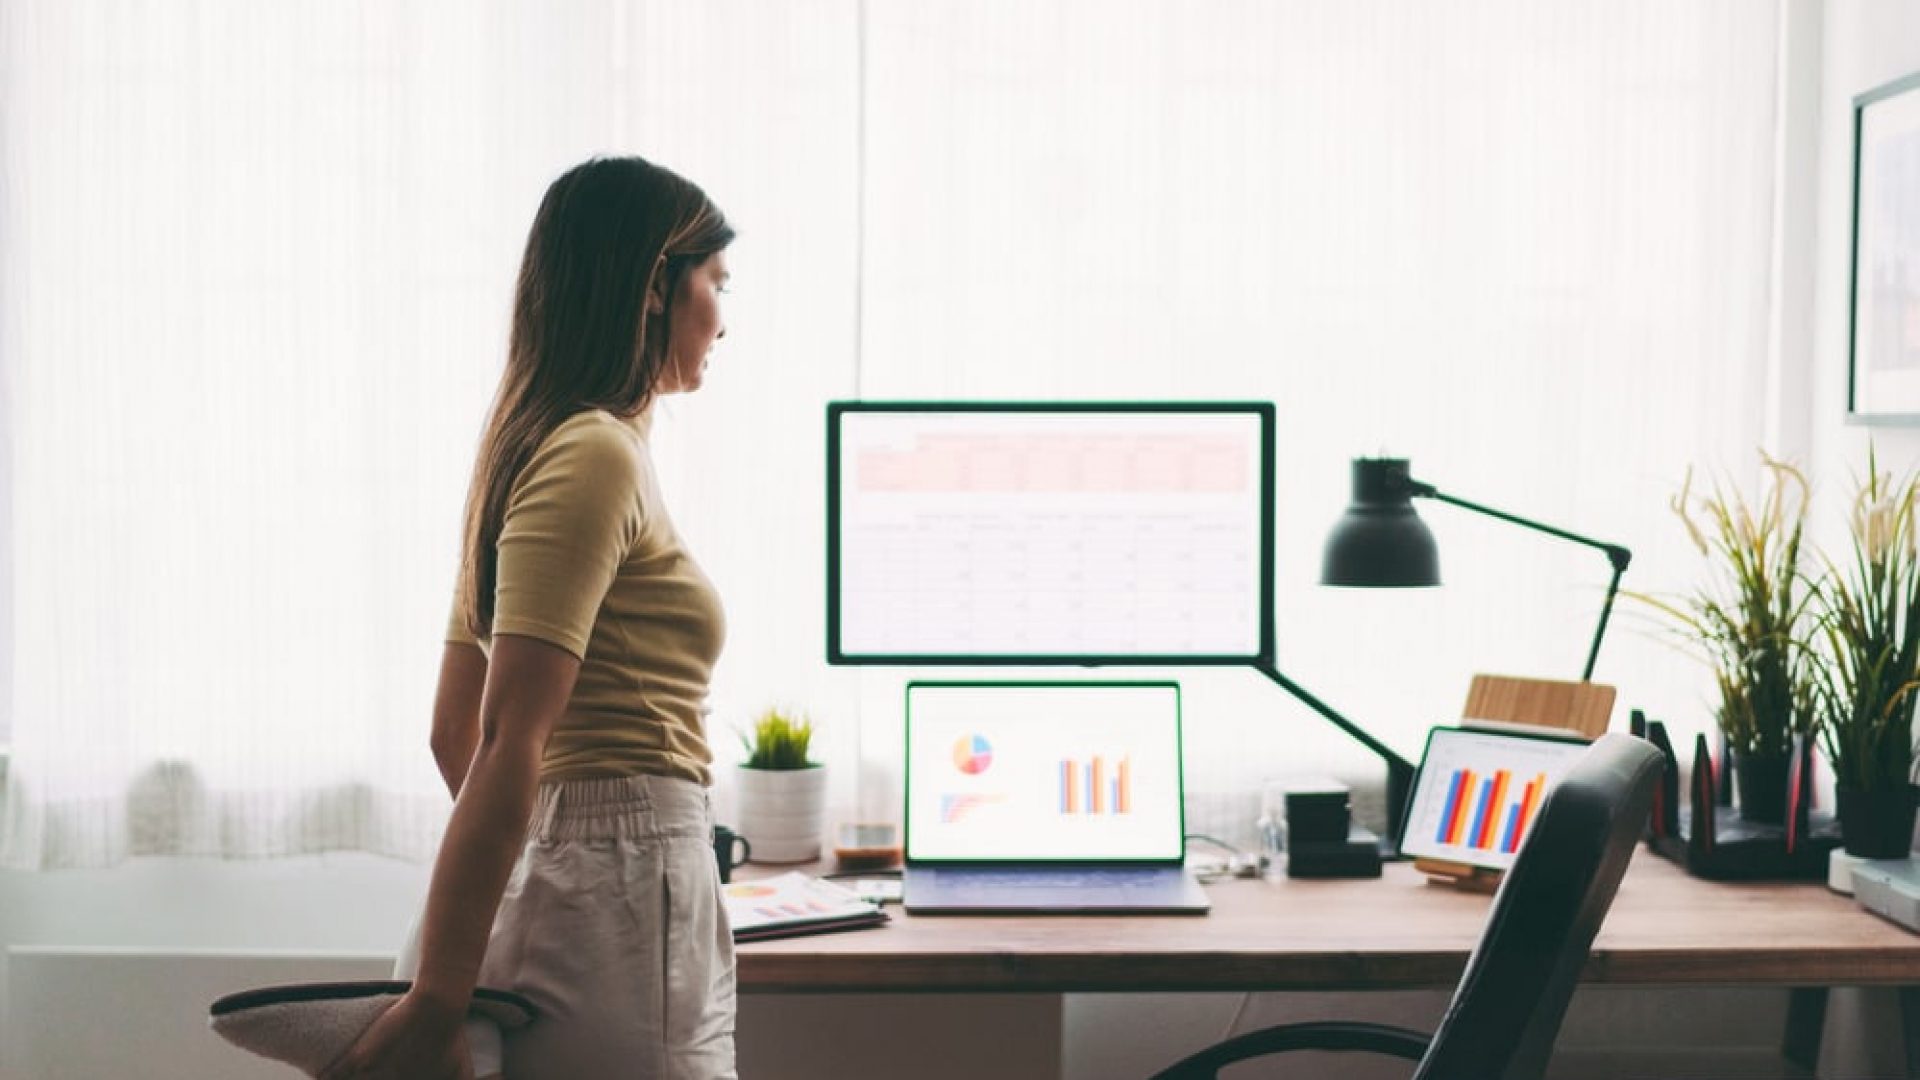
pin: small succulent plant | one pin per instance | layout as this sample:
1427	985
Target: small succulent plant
779	740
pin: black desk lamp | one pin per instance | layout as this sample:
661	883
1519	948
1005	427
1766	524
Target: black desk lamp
1381	542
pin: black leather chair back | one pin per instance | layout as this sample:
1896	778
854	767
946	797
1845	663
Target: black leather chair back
1507	1009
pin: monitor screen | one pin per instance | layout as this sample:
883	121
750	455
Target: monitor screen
1010	772
1070	533
1479	792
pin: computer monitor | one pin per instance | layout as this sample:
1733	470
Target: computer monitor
1049	533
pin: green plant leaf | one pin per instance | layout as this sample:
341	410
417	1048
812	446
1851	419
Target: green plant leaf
1869	637
1748	621
779	741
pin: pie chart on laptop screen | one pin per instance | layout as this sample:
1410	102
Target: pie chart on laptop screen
973	754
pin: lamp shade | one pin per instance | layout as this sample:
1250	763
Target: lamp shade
1380	541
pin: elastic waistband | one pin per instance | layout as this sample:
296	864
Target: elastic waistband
621	808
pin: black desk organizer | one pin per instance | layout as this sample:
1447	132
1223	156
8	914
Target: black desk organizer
1710	839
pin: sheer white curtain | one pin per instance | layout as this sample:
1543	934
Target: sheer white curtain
255	263
258	261
1523	244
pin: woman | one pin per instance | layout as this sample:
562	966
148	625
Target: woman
577	868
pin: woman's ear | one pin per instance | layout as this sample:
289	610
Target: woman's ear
657	288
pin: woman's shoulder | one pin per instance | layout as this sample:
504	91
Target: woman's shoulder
596	441
595	427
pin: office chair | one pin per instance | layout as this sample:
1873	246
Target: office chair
1507	1008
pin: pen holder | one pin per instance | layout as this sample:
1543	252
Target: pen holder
1712	840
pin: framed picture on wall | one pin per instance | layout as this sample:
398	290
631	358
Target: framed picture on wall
1883	355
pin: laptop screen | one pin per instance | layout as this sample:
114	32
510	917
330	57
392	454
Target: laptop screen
1479	792
1043	772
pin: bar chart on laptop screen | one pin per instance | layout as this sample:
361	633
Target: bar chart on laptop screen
1050	534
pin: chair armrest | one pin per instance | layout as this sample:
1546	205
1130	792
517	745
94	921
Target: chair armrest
1332	1035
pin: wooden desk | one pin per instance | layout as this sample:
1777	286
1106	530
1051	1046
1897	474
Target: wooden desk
1392	933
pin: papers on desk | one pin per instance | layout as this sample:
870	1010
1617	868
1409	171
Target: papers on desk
795	903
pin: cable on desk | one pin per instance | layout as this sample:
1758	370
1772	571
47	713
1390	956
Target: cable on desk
1238	863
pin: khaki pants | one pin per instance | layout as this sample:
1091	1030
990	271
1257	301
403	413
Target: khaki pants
612	925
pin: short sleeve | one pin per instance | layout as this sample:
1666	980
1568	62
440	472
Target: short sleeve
571	520
457	633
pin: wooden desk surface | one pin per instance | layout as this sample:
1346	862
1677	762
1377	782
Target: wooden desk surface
1396	932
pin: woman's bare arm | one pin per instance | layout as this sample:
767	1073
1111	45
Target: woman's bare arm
528	682
526	688
456	712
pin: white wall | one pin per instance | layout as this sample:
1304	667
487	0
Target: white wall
6	522
1862	44
346	904
1865	43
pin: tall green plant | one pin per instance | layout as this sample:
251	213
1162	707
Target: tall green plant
780	740
1870	629
1746	619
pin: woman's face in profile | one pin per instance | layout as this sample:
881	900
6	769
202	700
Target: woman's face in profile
694	323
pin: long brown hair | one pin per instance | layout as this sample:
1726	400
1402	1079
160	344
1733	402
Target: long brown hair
608	231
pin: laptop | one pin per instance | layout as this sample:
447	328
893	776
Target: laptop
1890	888
1479	791
1046	797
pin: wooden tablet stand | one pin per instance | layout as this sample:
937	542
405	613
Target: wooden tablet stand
1503	702
1494	701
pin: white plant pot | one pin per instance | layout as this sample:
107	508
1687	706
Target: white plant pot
782	812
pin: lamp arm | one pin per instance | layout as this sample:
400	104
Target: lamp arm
1399	769
1619	557
1606	609
1616	554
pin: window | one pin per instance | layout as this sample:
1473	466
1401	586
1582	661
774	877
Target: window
259	258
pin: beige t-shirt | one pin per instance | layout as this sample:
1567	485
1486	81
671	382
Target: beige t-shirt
590	562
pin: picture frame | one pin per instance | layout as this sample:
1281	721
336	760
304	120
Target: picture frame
1883	346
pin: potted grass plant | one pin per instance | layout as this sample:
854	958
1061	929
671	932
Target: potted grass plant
782	806
1869	631
1748	622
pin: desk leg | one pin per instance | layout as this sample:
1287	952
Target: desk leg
1806	1020
1910	1027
